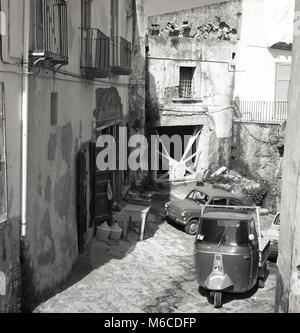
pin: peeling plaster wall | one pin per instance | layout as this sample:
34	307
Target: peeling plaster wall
51	245
137	99
10	278
288	283
228	11
11	81
213	81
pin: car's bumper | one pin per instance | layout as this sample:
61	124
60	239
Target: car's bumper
174	218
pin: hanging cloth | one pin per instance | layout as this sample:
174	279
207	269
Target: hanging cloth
279	21
110	194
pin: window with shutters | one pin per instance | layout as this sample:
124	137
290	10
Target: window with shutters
95	46
51	32
283	78
121	47
86	14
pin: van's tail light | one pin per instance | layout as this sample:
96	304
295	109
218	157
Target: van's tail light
218	264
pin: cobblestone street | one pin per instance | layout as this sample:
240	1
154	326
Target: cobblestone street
153	276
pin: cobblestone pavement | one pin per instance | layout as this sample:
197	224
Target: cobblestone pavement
153	276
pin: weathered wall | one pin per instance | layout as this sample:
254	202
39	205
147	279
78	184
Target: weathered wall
51	245
137	99
10	270
10	104
288	283
256	154
213	81
228	11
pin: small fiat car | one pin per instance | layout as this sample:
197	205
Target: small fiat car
187	212
273	235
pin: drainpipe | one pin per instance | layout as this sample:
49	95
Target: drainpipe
25	117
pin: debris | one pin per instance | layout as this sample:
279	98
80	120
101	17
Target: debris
225	187
264	212
219	172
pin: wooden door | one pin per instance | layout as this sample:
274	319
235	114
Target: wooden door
82	199
102	206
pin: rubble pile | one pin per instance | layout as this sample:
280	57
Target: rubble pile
233	182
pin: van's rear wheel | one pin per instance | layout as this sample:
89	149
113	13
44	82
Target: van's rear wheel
218	299
192	227
262	279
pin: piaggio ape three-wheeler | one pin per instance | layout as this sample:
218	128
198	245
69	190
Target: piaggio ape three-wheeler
230	254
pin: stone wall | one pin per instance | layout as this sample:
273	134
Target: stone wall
256	153
229	13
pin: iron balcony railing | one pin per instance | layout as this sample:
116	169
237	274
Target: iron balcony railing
50	40
95	53
262	111
121	56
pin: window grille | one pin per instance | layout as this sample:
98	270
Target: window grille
186	82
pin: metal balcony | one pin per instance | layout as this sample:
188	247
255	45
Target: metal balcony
95	50
262	111
50	42
121	56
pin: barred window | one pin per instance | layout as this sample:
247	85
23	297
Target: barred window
186	82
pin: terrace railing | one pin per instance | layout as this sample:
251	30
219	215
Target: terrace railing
121	56
262	111
50	40
95	53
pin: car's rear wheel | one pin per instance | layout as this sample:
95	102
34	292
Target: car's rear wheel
192	227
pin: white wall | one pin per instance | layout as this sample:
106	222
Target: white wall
255	62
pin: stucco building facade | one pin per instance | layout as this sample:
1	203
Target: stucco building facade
66	74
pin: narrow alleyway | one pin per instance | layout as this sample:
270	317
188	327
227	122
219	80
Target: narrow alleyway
153	276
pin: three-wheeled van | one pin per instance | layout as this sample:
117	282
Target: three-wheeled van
230	255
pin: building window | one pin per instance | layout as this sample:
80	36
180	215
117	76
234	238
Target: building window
95	46
3	174
121	47
86	14
186	82
54	108
283	78
50	42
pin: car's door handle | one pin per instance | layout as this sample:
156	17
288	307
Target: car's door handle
246	257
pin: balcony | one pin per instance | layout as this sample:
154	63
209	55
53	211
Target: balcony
95	52
121	56
267	112
50	42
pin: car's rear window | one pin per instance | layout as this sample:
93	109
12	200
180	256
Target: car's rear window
224	232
